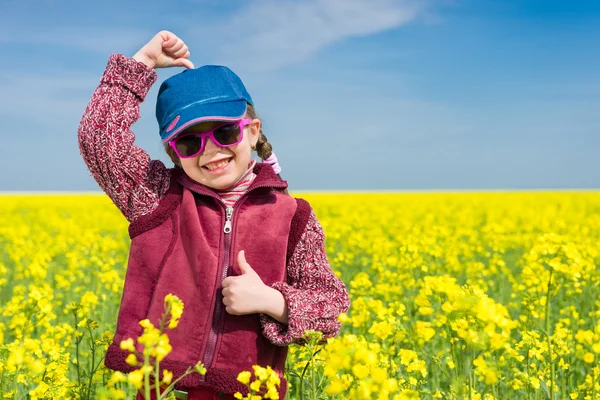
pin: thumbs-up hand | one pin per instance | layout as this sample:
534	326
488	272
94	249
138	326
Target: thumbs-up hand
246	293
165	50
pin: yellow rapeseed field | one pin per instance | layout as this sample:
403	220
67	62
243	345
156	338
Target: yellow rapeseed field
454	296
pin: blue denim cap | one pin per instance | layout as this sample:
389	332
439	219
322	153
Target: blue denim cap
207	93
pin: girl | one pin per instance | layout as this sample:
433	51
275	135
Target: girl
218	230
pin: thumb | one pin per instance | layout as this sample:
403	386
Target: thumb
243	264
184	62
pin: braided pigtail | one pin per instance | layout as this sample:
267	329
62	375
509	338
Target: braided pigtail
263	147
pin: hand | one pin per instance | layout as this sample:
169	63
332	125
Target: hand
246	293
164	50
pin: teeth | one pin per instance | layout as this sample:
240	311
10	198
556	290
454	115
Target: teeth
217	164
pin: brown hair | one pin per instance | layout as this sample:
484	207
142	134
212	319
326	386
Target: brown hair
263	147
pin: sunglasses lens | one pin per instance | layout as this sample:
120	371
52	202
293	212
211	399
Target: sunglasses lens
189	145
227	134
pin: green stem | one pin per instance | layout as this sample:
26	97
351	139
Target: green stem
548	336
471	375
77	359
302	379
157	380
172	385
77	341
528	377
163	322
89	391
593	383
470	386
313	376
454	358
146	377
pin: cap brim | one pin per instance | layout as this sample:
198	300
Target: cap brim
226	111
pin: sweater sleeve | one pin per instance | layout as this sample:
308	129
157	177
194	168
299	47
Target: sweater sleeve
315	296
123	170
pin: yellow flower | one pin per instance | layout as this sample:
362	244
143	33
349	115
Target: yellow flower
89	300
131	360
175	307
406	356
433	279
335	386
360	371
255	386
163	347
199	368
82	323
424	331
127	344
167	377
379	375
244	377
117	377
40	391
145	323
381	330
343	318
491	377
272	393
136	378
260	373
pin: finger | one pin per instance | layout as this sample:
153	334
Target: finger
226	301
183	62
226	292
179	53
175	48
166	34
169	40
227	282
231	311
243	264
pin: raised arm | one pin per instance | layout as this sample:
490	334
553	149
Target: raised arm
123	170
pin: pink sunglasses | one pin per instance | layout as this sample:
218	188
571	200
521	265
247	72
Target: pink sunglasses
191	144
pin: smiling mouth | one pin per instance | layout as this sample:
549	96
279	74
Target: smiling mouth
217	164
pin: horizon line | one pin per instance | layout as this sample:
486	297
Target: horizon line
325	191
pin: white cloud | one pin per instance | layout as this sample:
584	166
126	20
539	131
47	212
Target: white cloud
263	34
269	34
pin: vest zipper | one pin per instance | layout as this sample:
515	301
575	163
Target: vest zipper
228	214
217	317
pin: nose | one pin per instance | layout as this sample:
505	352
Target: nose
210	146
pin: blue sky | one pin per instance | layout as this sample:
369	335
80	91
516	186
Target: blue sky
354	94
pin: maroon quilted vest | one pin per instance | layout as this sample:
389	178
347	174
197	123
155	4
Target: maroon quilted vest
186	247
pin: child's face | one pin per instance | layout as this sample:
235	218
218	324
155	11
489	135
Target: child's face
220	167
